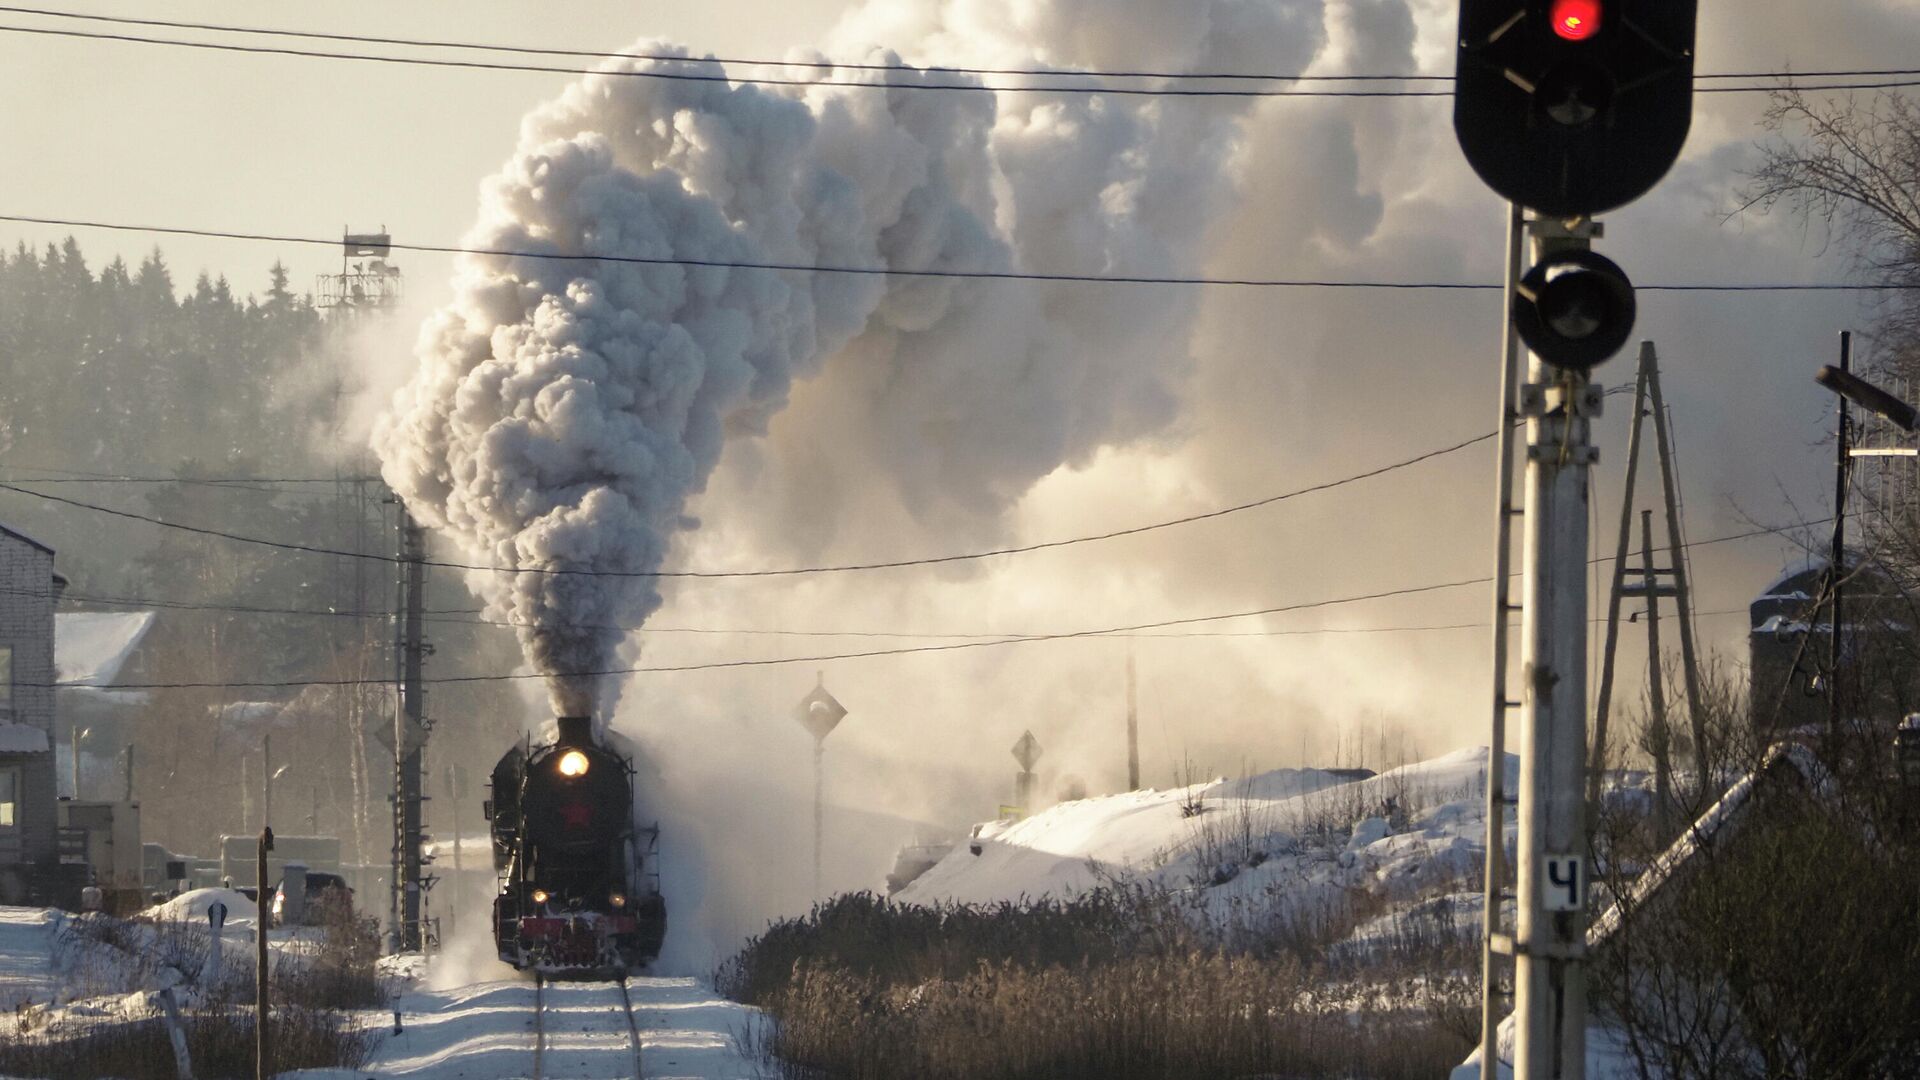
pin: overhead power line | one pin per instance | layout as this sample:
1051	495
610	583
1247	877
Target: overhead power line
972	556
986	275
1136	629
798	571
1161	624
712	76
836	65
441	618
245	483
436	615
718	76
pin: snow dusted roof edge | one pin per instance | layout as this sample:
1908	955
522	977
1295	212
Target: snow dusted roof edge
23	739
23	537
1719	817
90	647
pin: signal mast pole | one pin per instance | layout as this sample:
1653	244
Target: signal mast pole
1549	941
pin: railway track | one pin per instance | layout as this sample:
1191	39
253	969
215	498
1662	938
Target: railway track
572	1028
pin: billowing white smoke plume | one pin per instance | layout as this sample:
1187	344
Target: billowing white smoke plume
565	410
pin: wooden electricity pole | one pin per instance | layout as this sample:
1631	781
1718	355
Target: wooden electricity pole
263	1031
1648	401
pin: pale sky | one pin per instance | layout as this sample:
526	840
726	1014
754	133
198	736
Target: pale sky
161	135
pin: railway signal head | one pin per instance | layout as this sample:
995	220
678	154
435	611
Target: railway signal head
1575	309
1574	107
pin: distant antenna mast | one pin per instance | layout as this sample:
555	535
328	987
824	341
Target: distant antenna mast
367	284
366	280
1133	729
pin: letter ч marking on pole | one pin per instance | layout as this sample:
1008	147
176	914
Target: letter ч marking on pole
1566	883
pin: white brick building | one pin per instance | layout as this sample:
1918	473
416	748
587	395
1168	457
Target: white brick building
29	590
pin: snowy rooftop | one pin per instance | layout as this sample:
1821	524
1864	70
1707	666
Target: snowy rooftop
22	739
18	535
90	647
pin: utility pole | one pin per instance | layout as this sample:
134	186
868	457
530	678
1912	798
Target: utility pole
262	972
1656	682
1648	401
75	733
456	790
409	739
266	779
1837	555
1133	729
1878	402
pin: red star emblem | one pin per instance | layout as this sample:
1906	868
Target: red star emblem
576	815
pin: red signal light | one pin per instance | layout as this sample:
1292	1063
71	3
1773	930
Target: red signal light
1576	20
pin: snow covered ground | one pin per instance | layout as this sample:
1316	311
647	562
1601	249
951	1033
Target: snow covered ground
1281	842
27	956
485	1030
98	970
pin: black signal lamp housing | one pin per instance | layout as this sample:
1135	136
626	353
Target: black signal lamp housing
1575	309
1574	107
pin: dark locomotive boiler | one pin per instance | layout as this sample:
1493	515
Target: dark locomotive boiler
578	892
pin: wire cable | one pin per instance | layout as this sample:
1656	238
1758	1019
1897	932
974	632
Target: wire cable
830	65
976	638
721	77
1160	624
784	572
986	275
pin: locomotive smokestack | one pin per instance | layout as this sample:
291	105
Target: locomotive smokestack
576	731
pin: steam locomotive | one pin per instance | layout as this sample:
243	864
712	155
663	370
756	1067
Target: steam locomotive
578	892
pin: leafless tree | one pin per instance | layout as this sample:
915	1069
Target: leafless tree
1853	165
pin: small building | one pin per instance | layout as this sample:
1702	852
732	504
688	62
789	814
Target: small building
93	652
29	590
1791	641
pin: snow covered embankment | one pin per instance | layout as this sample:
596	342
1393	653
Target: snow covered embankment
1284	843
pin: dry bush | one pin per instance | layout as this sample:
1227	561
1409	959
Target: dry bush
869	936
1154	1018
1787	950
1121	984
220	1040
341	971
110	955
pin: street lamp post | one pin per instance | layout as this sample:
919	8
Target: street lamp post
79	733
1852	389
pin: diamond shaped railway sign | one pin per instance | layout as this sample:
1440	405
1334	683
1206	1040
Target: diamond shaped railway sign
819	712
1027	751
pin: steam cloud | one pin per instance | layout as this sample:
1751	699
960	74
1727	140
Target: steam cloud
566	409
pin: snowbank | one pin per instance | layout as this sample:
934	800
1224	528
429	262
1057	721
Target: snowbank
1298	832
192	907
1609	1057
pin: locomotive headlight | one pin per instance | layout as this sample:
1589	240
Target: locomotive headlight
617	900
573	763
539	896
